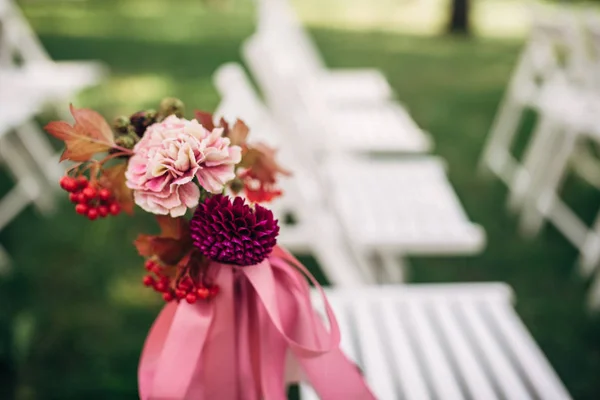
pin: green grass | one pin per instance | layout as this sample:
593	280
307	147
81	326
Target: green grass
73	315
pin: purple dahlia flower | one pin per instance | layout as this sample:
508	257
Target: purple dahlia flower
233	233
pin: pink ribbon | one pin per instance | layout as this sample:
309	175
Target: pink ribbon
246	342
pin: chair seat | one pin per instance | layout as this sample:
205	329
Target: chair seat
403	206
56	79
342	86
384	128
444	341
19	103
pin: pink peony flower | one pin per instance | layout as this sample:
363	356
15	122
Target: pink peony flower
167	159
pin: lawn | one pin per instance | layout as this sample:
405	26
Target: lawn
74	315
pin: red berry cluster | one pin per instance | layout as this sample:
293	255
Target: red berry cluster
184	288
90	200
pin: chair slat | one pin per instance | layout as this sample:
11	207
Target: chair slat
471	371
533	363
373	350
443	382
410	375
342	315
502	370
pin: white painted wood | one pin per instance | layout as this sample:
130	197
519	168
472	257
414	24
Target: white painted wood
343	314
594	294
443	381
407	206
277	19
419	341
471	370
373	350
410	374
30	80
382	127
511	386
556	76
523	348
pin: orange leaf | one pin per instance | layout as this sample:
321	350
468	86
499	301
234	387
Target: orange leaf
238	133
59	129
143	244
93	125
250	157
175	228
114	178
81	149
223	124
91	134
205	119
260	159
171	245
168	250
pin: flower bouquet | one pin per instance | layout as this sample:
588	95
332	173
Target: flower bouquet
238	322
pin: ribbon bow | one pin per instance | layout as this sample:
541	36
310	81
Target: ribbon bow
242	344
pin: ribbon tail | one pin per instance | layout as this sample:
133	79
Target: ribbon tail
181	351
334	377
274	347
153	348
215	377
247	343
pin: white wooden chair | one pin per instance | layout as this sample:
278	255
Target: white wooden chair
545	203
392	209
555	32
306	226
572	109
568	103
277	19
387	209
375	128
441	341
29	80
21	49
25	63
18	106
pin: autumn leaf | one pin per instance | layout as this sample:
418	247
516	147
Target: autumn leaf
223	124
89	135
114	178
173	243
205	119
260	159
238	133
93	123
175	228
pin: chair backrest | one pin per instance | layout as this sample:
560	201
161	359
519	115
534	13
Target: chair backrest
276	18
303	199
295	105
555	45
592	26
19	43
274	73
239	100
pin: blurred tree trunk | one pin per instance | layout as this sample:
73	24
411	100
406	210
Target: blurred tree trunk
459	17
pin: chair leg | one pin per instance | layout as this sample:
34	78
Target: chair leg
589	256
394	267
536	153
594	294
5	262
539	202
29	181
40	148
501	135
